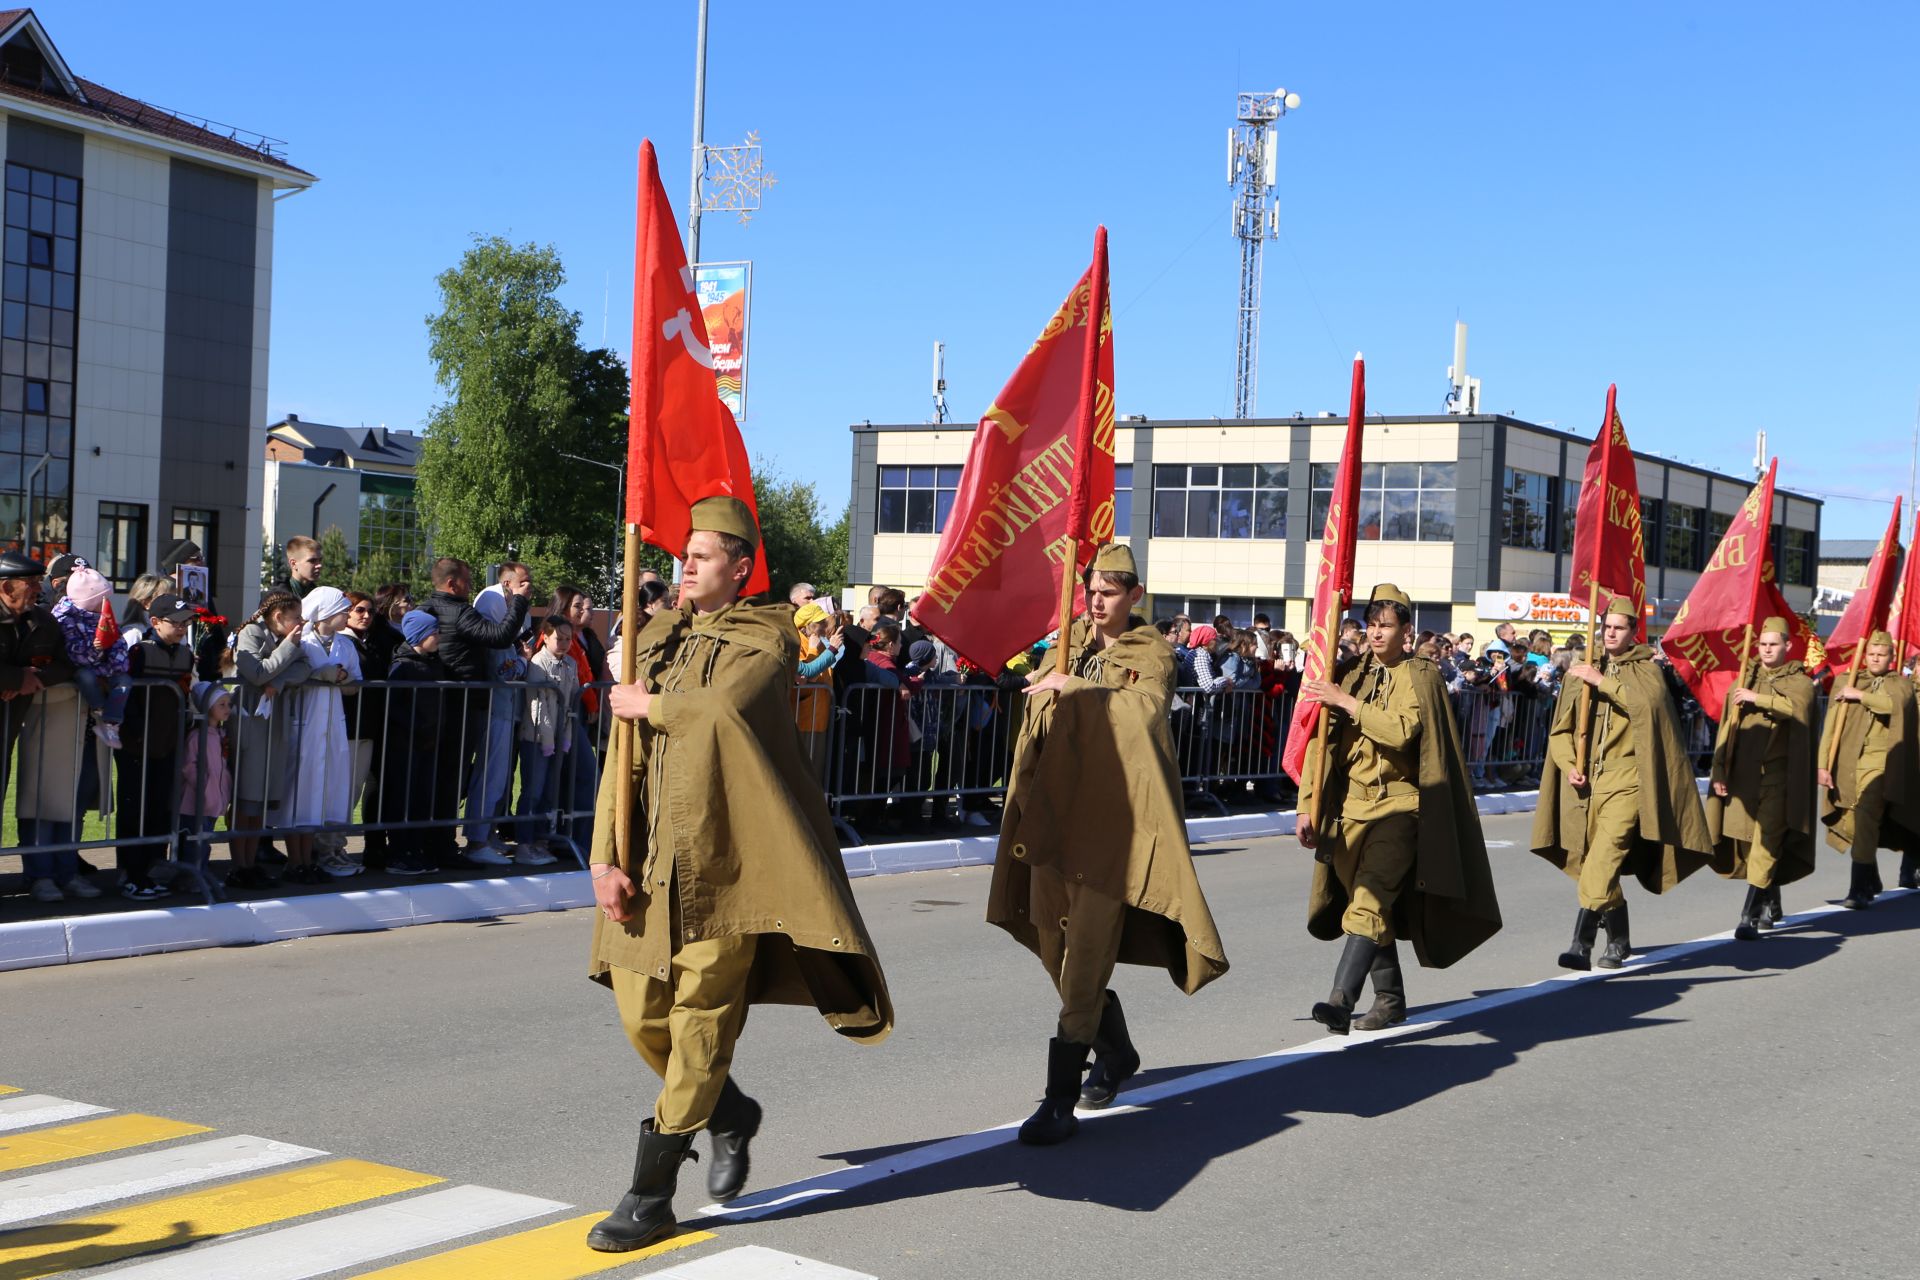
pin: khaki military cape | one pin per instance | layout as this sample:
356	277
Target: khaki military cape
1095	795
1450	906
1672	841
742	808
1734	822
1900	822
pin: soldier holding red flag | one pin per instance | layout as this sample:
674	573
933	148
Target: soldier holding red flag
1870	776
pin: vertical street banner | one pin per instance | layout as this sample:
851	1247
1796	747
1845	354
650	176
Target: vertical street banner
1036	496
682	442
1609	545
725	291
1333	584
1867	612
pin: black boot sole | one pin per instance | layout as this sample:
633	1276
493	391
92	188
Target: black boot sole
1045	1134
1613	962
1746	933
605	1243
1099	1097
1333	1018
1575	961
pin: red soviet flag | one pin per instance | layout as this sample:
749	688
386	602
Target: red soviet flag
1037	489
1867	612
1333	585
1905	621
1707	642
682	443
1609	549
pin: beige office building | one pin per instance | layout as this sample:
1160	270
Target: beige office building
1472	515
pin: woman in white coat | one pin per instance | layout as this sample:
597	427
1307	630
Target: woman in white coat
320	793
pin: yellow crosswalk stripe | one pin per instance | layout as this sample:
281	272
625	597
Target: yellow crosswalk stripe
88	1138
178	1221
557	1252
8	1088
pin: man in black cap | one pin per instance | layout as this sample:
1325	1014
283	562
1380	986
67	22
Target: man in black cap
59	569
147	763
32	655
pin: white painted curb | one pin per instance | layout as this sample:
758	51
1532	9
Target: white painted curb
32	944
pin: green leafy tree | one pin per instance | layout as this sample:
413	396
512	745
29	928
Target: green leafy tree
273	563
336	566
799	547
379	567
521	392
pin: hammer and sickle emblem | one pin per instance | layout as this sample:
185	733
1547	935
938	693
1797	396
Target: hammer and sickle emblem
680	325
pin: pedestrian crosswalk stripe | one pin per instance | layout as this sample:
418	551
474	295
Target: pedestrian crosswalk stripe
8	1088
77	1187
179	1221
555	1252
348	1239
88	1138
756	1262
30	1109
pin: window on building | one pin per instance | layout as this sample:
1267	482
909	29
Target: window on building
1206	608
200	526
1528	503
1650	529
38	293
1237	500
1793	559
1122	500
1717	524
1399	501
1686	529
391	533
916	499
121	550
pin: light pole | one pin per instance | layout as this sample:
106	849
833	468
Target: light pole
619	512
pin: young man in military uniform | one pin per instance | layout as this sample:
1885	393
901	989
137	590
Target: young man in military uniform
1635	808
1760	804
1394	828
724	894
1872	787
1093	866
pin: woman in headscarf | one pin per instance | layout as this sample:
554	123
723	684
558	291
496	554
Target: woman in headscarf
322	785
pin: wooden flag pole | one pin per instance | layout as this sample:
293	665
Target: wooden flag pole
1581	741
1748	674
1060	656
1840	715
625	731
1322	733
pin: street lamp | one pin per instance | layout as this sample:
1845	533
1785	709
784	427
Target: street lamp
619	513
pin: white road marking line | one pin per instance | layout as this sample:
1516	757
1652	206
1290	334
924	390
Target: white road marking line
64	1191
29	1109
348	1239
775	1199
1499	844
756	1262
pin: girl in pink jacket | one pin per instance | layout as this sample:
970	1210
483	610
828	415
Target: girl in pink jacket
206	780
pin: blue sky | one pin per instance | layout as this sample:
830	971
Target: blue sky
1711	204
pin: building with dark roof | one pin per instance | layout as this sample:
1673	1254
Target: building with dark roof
358	479
134	309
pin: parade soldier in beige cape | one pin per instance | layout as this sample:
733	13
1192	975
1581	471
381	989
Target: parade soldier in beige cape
731	891
1872	790
1760	804
1636	810
1398	839
1093	867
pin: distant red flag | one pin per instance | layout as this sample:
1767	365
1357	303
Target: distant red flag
1037	489
1609	549
1708	638
1333	585
107	630
682	443
1906	619
1867	612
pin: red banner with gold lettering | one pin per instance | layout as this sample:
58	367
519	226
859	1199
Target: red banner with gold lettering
1333	585
1036	497
1708	641
1609	549
1867	612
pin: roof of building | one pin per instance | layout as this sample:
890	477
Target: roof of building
59	87
1840	549
348	446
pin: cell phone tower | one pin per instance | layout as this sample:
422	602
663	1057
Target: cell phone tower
1253	158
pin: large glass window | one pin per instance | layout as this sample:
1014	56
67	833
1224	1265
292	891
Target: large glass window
1236	500
390	527
916	499
122	544
1399	501
1686	531
1122	500
1527	505
200	526
1650	528
1794	559
1206	608
39	290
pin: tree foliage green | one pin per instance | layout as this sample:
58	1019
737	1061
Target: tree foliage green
336	566
521	391
799	547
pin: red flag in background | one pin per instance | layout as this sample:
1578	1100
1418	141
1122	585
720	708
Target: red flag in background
1037	489
1333	586
107	630
682	443
1609	550
1708	639
1906	618
1867	612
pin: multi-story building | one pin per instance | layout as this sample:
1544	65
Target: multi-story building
359	480
1472	515
133	322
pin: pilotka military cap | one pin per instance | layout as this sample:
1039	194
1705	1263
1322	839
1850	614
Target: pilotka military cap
722	514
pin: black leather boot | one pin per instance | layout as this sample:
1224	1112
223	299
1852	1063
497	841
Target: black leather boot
1335	1013
1910	871
1861	886
1586	927
1389	992
735	1120
1054	1121
1748	930
1771	912
1619	947
1114	1058
645	1213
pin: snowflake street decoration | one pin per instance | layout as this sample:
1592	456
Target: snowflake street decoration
732	179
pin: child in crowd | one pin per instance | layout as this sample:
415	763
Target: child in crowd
414	715
206	780
546	737
147	764
99	671
322	754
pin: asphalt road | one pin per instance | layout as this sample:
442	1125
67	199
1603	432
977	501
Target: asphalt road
1739	1108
